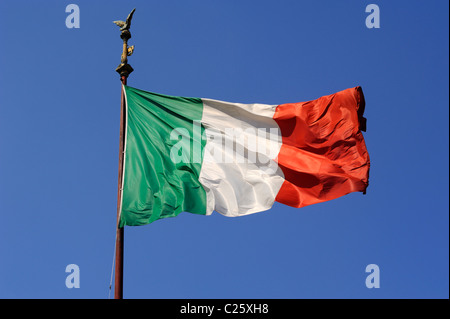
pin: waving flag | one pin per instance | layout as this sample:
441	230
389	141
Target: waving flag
201	155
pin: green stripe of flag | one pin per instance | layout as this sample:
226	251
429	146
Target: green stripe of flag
154	185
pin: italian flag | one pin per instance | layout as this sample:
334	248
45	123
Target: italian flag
201	155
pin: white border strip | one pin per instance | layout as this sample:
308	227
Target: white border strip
124	153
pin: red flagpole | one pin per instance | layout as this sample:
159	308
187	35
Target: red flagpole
118	279
124	69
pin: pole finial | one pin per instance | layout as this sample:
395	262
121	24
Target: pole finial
124	69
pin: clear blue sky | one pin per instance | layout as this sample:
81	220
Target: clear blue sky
59	134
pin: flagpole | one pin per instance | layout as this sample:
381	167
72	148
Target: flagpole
118	277
124	69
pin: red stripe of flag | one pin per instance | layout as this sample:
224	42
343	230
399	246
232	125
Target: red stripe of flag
323	155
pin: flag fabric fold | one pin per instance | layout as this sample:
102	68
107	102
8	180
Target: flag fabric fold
202	155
